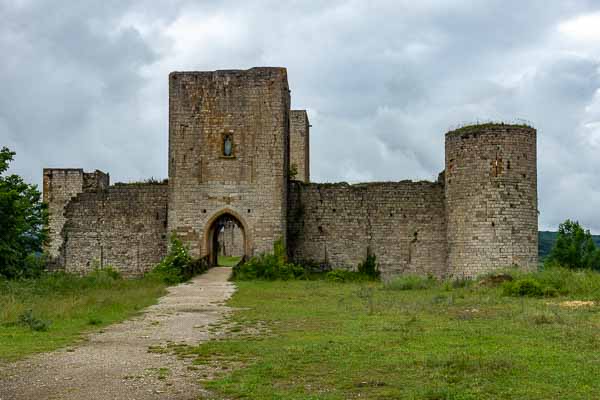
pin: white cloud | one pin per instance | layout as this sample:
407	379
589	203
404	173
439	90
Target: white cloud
583	27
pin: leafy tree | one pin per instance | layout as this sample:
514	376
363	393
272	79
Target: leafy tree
23	221
574	248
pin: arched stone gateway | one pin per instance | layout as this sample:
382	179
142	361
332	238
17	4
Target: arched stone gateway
215	225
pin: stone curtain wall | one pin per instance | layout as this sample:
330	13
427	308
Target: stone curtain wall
124	226
299	144
253	107
60	185
402	223
491	192
480	216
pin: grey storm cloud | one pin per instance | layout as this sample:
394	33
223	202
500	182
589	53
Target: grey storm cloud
84	84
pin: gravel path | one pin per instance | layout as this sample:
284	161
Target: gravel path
116	363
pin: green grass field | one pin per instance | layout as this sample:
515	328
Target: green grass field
228	261
325	340
73	305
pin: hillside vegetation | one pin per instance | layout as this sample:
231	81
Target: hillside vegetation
547	240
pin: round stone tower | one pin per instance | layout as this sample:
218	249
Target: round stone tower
491	198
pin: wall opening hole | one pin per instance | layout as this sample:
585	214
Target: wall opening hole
226	241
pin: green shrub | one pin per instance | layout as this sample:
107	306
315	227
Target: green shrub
178	266
344	275
269	266
369	267
368	270
558	281
94	321
35	324
527	287
412	282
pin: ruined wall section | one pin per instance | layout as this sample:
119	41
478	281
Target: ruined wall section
402	223
491	193
123	226
60	186
299	144
251	106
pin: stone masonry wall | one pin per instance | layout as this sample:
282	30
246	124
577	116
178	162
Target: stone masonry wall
299	144
491	193
252	107
124	226
402	223
60	185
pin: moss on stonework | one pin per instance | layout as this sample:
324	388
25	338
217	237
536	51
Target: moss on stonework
478	128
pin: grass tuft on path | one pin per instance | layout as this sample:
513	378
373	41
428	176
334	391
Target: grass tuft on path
71	306
325	340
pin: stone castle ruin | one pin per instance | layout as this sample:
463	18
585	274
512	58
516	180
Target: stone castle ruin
232	143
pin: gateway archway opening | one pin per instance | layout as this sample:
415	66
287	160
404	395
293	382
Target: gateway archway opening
226	241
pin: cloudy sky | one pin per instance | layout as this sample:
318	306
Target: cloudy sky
84	83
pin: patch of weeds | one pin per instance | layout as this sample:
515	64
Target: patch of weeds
369	267
441	299
345	275
527	287
543	319
35	324
366	295
158	349
94	321
163	373
270	266
412	282
459	367
368	270
178	266
448	393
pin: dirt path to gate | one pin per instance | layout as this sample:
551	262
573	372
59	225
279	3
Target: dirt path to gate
116	363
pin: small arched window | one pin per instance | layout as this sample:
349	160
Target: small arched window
228	145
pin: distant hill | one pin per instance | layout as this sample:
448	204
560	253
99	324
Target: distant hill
547	239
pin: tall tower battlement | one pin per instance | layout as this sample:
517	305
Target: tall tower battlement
228	156
491	198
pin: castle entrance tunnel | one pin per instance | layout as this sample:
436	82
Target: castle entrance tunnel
226	241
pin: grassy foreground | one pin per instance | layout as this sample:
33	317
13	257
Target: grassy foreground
63	307
325	340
